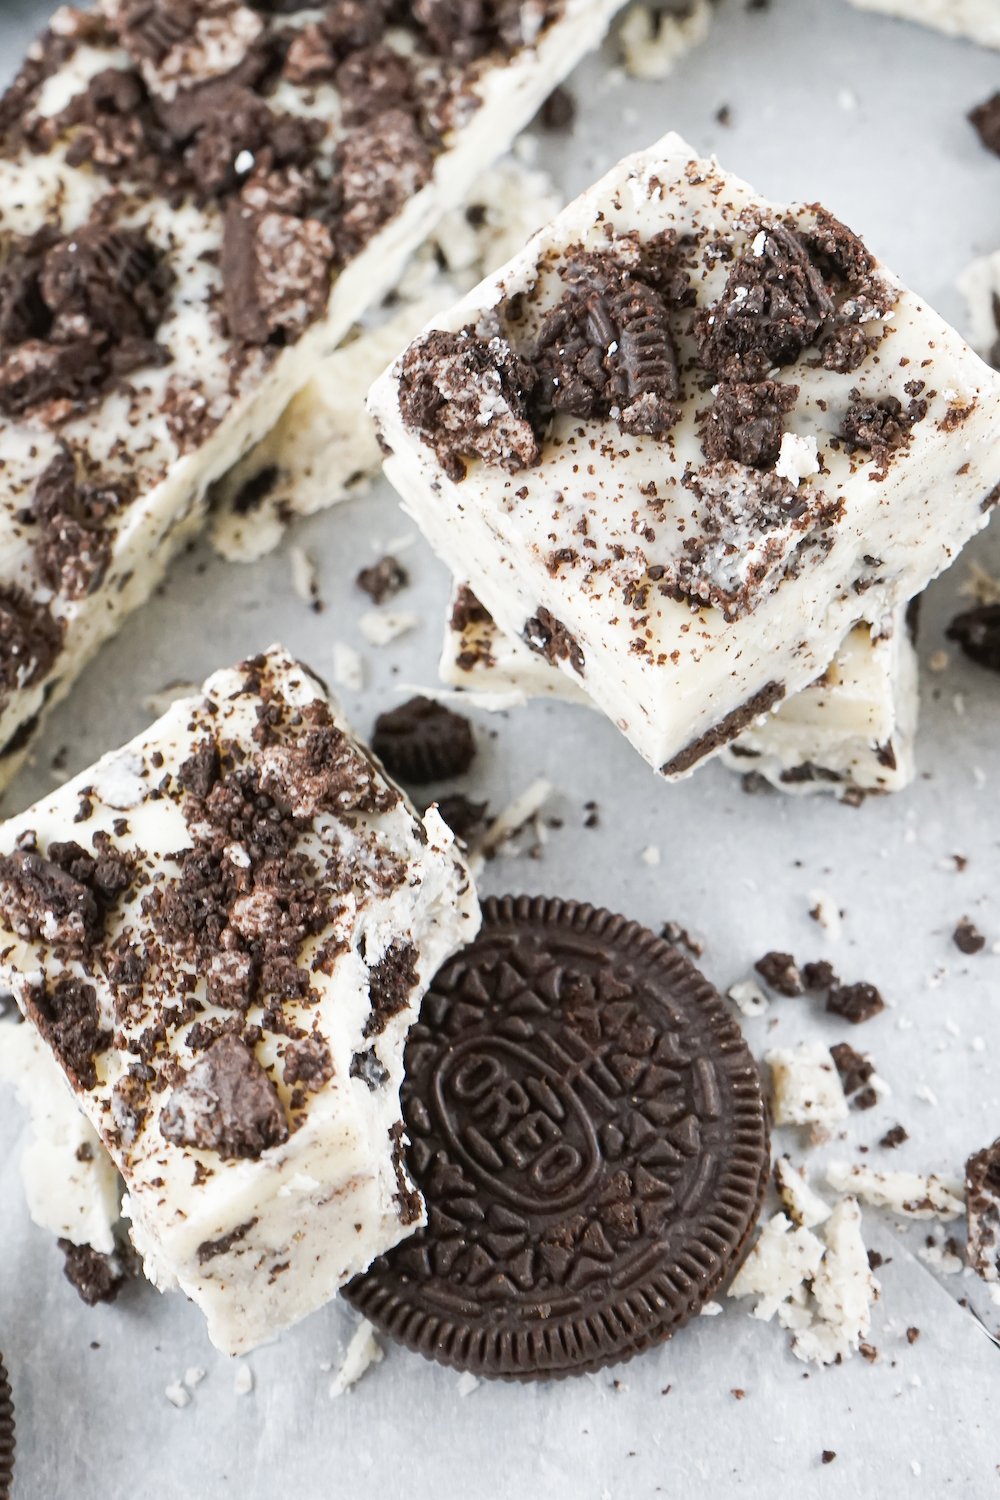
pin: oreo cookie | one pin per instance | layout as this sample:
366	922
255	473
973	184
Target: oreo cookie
6	1435
423	741
587	1128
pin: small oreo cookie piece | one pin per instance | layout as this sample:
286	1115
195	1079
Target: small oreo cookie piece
6	1435
423	741
587	1129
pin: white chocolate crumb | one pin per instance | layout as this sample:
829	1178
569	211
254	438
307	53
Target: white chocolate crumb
178	1395
824	910
940	1259
806	1086
650	855
910	1194
652	44
711	1309
380	627
782	1260
348	667
467	1383
193	1376
363	1351
748	997
803	1203
938	661
305	578
797	458
243	1380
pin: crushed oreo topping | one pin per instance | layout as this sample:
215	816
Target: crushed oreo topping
380	166
465	397
30	640
463	816
226	1103
982	1197
745	424
880	427
390	983
77	314
977	632
72	543
423	741
607	349
66	1013
550	638
276	274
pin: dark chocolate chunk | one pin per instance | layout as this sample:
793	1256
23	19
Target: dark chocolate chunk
226	1103
6	1434
383	579
780	971
550	638
982	1201
95	1276
746	423
854	1068
367	1067
276	273
423	741
209	1249
465	397
894	1136
977	632
855	1002
587	1130
986	120
607	348
65	1012
967	937
463	816
390	983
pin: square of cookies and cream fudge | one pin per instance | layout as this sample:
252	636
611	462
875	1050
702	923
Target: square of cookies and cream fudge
685	441
197	202
222	933
850	731
979	20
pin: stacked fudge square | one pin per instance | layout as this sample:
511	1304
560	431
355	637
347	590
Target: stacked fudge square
698	452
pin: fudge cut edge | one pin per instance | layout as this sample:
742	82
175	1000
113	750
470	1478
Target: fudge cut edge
222	933
500	512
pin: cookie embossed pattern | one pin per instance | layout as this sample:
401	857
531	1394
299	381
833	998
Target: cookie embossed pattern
587	1128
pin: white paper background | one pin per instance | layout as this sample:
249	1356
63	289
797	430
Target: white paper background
868	116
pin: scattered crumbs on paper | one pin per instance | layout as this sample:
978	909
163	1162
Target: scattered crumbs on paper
912	1195
467	1383
711	1309
748	997
362	1352
380	627
514	817
305	578
178	1395
348	667
243	1380
824	910
650	855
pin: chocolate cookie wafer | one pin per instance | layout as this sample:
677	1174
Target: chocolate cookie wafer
587	1129
6	1434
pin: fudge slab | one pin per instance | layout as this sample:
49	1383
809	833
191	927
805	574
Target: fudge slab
977	19
685	441
222	932
852	730
197	201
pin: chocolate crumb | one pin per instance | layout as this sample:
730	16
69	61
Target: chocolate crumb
828	1455
967	937
779	970
463	816
390	984
977	632
676	935
912	1334
865	1099
894	1136
875	1260
96	1277
423	741
559	110
985	119
855	1070
383	580
855	1002
225	1103
550	638
820	976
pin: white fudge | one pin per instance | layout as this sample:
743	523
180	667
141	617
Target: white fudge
598	441
976	19
324	448
71	1186
850	731
197	202
223	932
979	285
